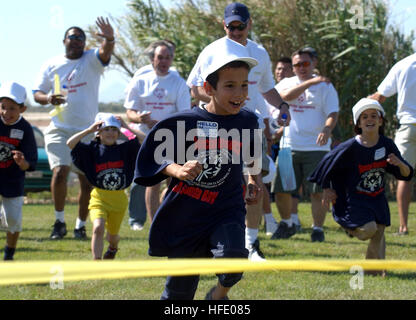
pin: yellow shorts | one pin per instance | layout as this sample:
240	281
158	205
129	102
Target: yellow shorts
109	205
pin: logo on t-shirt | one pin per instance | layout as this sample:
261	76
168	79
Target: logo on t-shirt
159	93
5	152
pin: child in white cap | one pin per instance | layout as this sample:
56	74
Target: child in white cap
353	178
18	153
109	167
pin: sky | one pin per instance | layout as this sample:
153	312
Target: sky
31	32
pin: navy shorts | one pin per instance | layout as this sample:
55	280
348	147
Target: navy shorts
227	241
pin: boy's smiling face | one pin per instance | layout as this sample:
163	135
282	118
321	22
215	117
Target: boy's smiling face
231	92
10	111
370	121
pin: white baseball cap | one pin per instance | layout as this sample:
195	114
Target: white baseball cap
14	91
365	104
226	52
109	120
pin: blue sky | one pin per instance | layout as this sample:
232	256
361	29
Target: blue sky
31	32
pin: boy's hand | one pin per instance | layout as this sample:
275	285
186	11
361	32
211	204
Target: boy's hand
253	191
189	171
95	126
19	158
328	196
395	161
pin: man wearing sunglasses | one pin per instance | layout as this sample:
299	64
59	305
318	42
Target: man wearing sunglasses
237	24
314	105
79	74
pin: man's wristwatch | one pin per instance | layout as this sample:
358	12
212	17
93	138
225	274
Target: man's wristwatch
280	105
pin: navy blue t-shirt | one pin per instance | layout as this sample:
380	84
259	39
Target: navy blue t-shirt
357	174
191	210
18	136
107	167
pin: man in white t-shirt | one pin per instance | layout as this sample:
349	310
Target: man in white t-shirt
79	73
314	108
401	79
237	24
151	97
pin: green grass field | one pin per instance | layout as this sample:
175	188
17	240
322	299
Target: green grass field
34	244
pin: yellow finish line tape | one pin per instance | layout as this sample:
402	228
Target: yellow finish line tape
14	272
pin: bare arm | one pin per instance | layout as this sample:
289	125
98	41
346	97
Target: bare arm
20	160
44	98
107	46
296	91
273	97
330	124
199	94
73	141
189	171
377	96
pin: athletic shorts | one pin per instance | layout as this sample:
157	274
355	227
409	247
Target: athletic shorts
405	141
59	154
109	205
304	162
11	214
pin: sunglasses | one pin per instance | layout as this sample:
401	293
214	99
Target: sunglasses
240	27
304	64
76	37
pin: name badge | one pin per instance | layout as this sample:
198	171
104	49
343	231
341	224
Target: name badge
380	153
16	134
207	129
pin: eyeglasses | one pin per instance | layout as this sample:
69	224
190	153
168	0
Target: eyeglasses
76	37
240	27
304	64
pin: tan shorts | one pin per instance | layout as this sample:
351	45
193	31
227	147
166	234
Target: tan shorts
58	152
405	141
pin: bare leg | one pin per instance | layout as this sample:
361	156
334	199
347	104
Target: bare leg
318	211
59	186
219	292
97	239
83	197
12	239
403	196
284	204
152	200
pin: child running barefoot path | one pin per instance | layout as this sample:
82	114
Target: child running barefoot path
109	167
18	153
203	212
353	178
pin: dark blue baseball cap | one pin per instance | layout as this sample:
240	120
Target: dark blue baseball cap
236	12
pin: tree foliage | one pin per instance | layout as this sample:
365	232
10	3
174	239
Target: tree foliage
356	46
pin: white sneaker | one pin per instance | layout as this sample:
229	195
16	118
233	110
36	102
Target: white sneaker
136	227
254	252
271	228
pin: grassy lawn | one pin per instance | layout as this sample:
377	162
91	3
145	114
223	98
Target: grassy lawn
34	244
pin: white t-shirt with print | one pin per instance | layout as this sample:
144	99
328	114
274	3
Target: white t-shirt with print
81	79
161	95
401	79
308	114
260	77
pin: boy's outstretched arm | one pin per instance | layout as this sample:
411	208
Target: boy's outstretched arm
188	171
73	141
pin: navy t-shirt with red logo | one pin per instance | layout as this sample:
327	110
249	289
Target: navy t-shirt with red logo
357	174
191	210
107	167
18	136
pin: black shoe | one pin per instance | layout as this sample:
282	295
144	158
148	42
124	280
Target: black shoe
317	236
254	252
80	233
209	295
110	254
59	230
283	231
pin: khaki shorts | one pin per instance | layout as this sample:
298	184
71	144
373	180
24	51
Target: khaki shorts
11	214
58	152
405	141
304	162
109	205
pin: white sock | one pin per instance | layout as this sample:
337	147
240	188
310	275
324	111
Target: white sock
295	218
269	218
288	222
318	228
60	215
251	236
79	223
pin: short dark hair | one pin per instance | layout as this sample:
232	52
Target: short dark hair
285	60
21	105
358	130
300	51
76	28
213	78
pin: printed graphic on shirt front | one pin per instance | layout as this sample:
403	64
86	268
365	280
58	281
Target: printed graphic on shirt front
111	175
7	145
372	178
